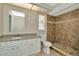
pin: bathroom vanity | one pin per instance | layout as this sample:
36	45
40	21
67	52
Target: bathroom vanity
20	47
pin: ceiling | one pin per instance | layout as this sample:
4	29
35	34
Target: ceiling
58	8
33	7
53	9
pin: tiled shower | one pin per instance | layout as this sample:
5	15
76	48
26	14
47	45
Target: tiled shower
63	31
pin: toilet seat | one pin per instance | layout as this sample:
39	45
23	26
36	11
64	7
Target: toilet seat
46	43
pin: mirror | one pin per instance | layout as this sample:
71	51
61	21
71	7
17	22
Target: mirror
16	21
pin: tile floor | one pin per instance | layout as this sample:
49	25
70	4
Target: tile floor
53	53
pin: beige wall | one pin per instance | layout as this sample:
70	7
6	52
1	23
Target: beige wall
1	17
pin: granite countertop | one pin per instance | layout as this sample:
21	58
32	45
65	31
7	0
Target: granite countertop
6	39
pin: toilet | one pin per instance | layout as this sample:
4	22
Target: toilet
45	44
46	47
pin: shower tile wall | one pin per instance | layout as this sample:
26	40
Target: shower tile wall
67	29
66	32
50	29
